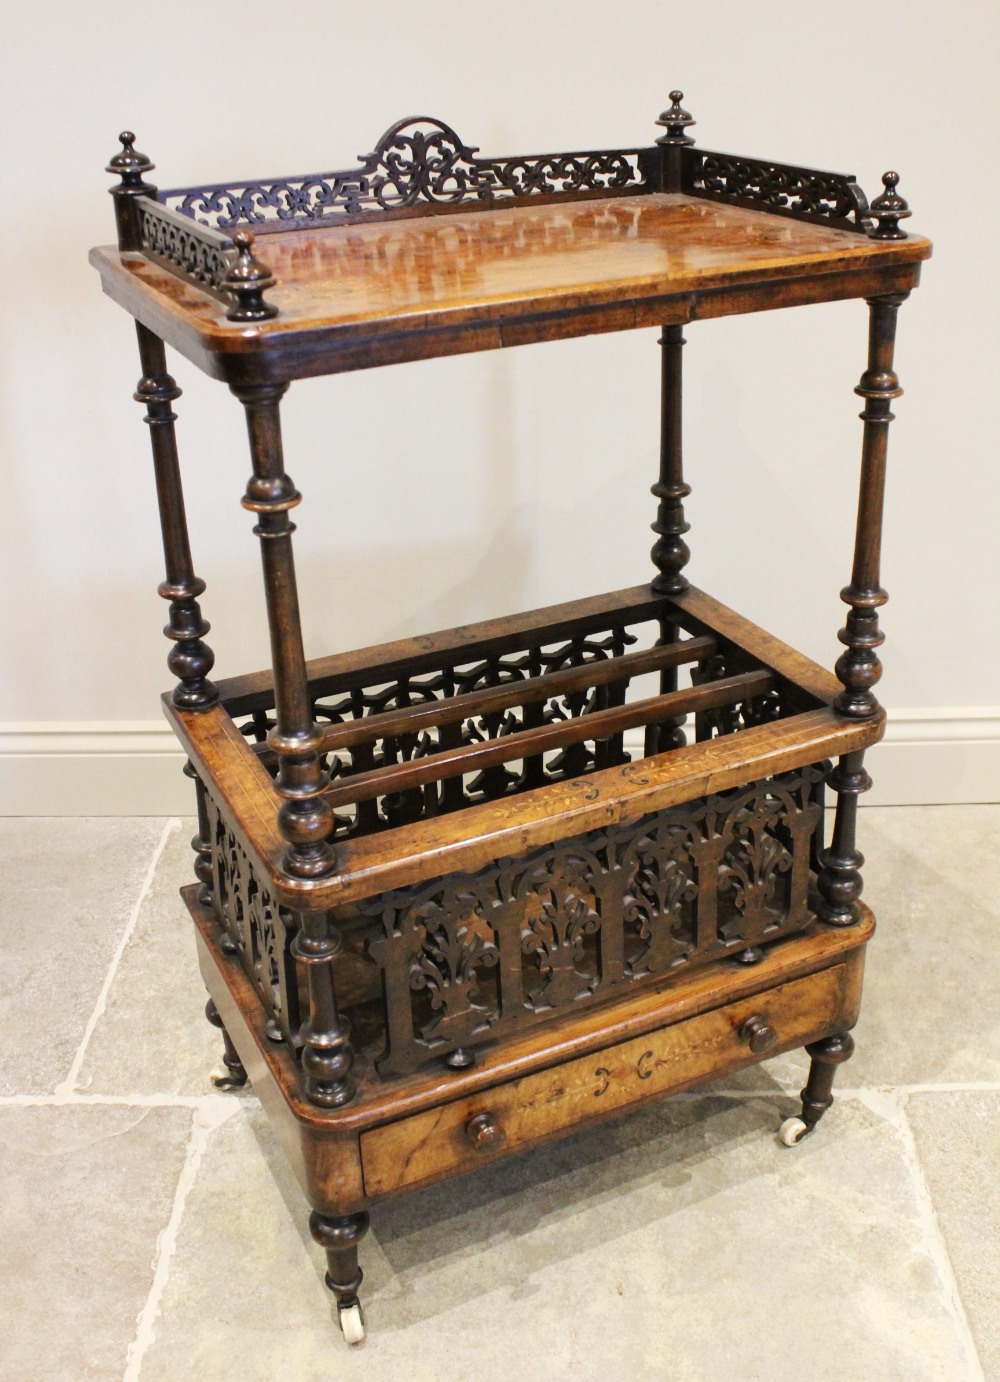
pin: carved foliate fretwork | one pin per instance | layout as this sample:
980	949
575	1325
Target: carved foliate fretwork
730	719
469	957
445	945
782	189
498	670
751	873
657	908
418	161
260	931
358	703
559	905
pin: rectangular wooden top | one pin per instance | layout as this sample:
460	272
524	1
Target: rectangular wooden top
353	296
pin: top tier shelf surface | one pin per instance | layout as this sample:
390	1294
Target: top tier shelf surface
353	296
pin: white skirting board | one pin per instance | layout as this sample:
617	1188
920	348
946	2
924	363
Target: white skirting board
133	767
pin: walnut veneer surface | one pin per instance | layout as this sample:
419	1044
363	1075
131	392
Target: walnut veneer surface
618	257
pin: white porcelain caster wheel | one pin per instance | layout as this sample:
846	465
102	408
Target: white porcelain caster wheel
351	1323
792	1131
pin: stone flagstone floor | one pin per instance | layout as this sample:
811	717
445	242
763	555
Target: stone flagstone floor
149	1227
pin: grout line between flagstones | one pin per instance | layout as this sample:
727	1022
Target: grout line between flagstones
209	1116
69	1084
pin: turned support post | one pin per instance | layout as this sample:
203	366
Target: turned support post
327	1054
818	1093
670	553
202	842
339	1236
190	659
305	818
858	667
236	1075
839	881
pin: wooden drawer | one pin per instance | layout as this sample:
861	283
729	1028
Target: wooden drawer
462	1135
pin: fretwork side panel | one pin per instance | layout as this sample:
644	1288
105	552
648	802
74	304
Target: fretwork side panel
615	652
468	958
258	929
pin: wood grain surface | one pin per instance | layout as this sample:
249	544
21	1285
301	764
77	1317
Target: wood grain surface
566	1038
446	1140
353	296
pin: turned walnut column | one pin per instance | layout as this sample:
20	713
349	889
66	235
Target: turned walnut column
858	668
305	818
670	552
327	1054
190	659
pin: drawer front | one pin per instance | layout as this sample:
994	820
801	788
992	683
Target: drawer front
462	1135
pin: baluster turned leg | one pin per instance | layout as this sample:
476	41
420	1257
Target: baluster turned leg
234	1076
858	667
305	818
190	659
340	1237
327	1054
818	1093
670	552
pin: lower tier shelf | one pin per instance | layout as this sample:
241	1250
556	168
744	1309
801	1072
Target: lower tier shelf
448	752
410	1131
505	860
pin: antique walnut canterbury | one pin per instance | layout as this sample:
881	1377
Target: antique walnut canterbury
445	909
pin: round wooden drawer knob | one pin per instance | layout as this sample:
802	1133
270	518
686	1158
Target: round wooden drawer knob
758	1035
485	1133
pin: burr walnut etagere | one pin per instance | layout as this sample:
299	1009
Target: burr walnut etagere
445	911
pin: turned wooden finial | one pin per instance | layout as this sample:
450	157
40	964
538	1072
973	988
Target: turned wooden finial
247	281
889	209
675	121
130	166
129	163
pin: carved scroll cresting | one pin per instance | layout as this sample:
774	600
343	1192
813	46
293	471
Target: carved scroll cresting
419	161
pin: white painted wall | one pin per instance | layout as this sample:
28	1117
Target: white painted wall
457	489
